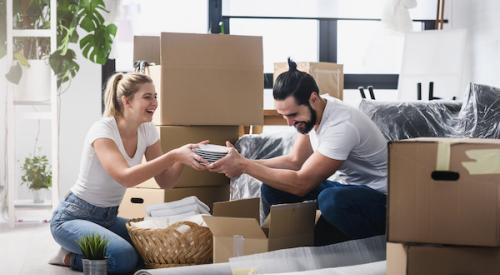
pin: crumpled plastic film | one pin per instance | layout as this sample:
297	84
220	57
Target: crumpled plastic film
480	114
348	253
403	120
477	117
263	146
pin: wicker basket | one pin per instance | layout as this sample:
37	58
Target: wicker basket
169	247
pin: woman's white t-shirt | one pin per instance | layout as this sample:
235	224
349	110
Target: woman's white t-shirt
347	134
94	184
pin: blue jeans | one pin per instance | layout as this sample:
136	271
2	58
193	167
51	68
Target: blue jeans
75	218
356	210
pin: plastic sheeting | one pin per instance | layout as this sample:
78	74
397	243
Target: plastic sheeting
480	114
402	120
477	117
262	146
376	268
310	258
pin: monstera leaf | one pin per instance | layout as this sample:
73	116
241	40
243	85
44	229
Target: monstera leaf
64	65
96	46
97	36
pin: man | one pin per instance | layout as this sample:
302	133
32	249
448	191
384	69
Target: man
333	137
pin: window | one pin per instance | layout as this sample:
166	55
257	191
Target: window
151	17
281	38
366	47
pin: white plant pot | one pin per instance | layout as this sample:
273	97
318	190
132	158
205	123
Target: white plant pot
38	196
35	82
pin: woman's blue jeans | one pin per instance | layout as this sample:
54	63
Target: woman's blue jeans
75	218
356	210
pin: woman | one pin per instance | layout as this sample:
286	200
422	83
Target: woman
110	163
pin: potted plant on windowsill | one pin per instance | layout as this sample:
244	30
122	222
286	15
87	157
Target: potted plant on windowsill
73	17
93	248
36	175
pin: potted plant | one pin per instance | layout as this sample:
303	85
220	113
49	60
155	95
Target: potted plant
72	17
93	248
37	175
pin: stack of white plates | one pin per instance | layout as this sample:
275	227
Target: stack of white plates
211	152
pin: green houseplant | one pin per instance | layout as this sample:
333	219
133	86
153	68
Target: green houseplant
93	248
73	16
37	174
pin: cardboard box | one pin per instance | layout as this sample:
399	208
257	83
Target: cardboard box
441	260
136	199
206	79
328	76
236	223
172	137
444	191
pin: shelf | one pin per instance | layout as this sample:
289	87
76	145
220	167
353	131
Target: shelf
31	102
38	115
31	33
31	204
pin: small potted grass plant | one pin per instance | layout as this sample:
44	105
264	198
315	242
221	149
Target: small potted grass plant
93	248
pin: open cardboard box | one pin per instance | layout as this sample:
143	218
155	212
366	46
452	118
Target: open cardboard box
237	232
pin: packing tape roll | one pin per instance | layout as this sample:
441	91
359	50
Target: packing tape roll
486	161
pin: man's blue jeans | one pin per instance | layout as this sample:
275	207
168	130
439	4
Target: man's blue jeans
356	210
75	218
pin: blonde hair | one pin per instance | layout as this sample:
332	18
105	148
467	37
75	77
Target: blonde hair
118	85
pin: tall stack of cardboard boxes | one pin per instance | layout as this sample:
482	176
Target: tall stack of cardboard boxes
208	85
444	207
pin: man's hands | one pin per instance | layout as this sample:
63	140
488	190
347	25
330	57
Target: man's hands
231	165
187	156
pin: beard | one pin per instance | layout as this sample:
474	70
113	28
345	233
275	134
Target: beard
304	127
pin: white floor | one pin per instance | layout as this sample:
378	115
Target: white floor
26	248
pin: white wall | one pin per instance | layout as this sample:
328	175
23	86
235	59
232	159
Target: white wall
481	19
80	107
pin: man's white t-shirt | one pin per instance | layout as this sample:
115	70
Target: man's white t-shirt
347	134
94	184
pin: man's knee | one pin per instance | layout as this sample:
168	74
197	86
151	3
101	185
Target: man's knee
334	200
270	194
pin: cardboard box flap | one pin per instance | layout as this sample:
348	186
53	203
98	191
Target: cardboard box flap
228	51
147	48
229	226
246	208
292	219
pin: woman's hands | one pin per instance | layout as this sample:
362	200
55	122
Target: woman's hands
186	155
